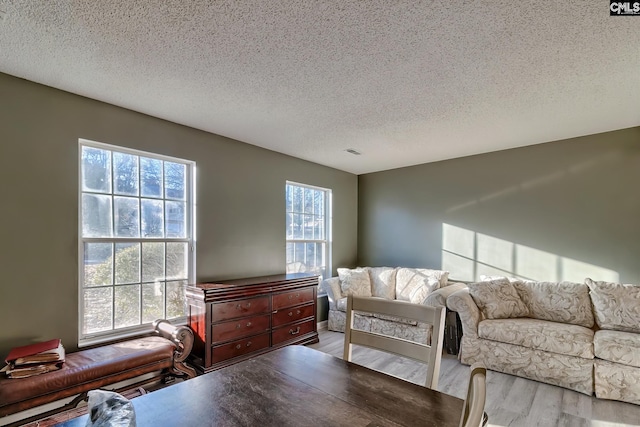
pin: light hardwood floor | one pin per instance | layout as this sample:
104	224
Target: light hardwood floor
511	401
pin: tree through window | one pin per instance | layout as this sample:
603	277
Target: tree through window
136	242
308	211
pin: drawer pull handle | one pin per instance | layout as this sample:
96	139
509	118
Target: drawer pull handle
248	324
239	346
290	313
239	306
297	311
297	296
296	332
238	326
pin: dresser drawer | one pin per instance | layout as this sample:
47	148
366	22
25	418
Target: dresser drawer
239	308
237	348
292	314
289	299
291	332
239	328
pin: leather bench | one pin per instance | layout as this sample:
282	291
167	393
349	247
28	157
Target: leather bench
100	367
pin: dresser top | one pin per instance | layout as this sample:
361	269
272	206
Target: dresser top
251	285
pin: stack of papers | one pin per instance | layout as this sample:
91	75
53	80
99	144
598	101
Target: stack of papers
34	359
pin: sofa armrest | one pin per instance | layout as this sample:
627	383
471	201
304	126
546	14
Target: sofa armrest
438	298
469	313
332	287
182	338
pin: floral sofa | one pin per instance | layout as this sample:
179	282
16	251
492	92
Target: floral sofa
581	336
414	285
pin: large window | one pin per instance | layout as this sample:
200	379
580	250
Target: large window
308	229
136	239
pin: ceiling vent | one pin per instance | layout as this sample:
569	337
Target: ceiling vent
352	151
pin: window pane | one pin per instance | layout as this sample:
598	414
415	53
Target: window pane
299	252
127	263
175	216
318	228
152	262
98	307
127	306
310	255
308	227
176	301
290	252
288	195
289	226
297	199
174	183
308	200
151	177
318	201
96	215
125	174
98	269
152	302
152	218
96	170
177	261
127	218
320	262
298	226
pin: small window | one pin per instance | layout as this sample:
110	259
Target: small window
136	239
308	233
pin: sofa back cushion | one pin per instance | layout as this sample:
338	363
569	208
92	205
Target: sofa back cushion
564	302
355	282
616	305
498	299
383	282
415	284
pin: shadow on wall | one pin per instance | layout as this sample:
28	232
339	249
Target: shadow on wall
468	254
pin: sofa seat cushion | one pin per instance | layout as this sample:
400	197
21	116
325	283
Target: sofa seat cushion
90	369
617	346
560	338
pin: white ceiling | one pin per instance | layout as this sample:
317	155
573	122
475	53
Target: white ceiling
404	82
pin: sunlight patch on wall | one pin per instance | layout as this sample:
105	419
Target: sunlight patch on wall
467	255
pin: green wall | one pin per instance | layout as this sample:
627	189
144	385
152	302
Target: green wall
564	210
240	202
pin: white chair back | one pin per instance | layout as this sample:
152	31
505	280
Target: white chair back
430	354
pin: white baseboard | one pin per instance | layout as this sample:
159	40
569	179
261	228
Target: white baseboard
323	324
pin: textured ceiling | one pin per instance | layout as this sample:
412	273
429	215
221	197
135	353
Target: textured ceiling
403	82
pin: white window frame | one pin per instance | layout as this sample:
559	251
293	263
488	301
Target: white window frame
328	221
190	219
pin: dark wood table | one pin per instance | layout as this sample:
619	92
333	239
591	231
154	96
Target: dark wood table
294	386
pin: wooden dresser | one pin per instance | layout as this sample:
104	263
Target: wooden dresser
237	319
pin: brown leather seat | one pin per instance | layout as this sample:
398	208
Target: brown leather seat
87	370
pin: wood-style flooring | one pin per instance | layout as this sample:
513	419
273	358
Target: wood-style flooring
511	401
